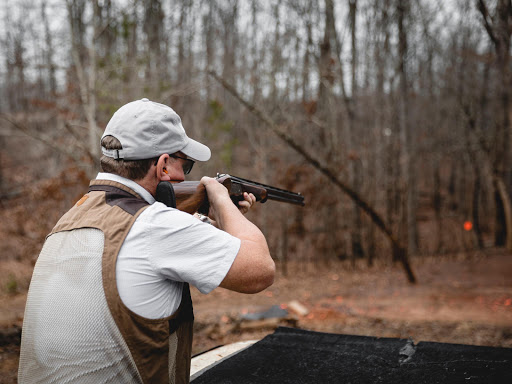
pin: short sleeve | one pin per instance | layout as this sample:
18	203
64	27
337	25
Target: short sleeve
182	248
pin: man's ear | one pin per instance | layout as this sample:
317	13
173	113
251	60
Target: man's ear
162	173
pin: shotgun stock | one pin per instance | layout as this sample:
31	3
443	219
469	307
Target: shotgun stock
191	196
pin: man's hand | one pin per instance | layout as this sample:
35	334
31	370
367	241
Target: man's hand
218	196
246	204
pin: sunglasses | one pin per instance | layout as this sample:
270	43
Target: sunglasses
187	164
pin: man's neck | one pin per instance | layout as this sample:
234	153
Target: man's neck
148	184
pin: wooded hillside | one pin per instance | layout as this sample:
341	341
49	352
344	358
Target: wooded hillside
391	117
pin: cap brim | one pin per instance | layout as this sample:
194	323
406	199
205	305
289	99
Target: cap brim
196	150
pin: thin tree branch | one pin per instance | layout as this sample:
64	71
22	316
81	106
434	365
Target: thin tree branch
48	141
398	249
482	7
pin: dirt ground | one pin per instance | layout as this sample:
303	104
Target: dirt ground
464	299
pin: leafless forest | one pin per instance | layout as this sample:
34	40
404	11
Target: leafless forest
392	117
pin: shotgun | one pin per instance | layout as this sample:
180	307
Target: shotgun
191	197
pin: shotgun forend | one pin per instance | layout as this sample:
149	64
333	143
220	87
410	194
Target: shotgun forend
261	191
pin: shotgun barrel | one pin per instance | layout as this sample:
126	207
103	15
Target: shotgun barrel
271	193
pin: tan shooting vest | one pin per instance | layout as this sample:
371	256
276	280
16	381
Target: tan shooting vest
76	328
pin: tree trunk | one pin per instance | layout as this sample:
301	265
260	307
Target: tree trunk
327	114
355	166
306	94
499	30
438	206
284	242
86	78
408	217
506	209
154	33
50	66
130	33
475	209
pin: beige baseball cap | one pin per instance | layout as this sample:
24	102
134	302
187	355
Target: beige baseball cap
147	129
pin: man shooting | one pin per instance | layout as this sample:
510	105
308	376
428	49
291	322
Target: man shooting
109	299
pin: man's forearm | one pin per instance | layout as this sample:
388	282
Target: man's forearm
253	269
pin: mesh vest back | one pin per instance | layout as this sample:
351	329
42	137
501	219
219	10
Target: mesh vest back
69	335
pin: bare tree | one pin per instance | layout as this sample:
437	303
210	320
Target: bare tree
15	62
155	41
407	162
86	68
499	29
49	52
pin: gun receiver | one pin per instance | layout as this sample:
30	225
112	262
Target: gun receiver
191	196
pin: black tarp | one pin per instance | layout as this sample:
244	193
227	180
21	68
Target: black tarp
297	356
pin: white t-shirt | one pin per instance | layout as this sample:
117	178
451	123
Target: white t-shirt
165	248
